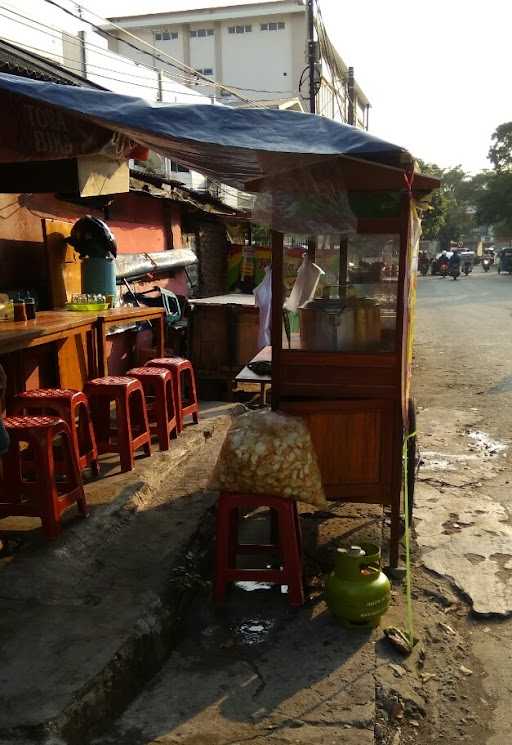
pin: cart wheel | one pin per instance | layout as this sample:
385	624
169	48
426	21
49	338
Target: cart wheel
412	459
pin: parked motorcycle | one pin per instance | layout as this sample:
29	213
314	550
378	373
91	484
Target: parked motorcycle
486	263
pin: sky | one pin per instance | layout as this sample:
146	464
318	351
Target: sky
437	73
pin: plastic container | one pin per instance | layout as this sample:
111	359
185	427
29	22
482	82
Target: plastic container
87	306
99	276
20	311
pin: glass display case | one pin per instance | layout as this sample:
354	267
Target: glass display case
349	301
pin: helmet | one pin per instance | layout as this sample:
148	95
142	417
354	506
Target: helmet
92	237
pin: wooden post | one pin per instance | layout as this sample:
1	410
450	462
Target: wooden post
277	313
102	347
343	268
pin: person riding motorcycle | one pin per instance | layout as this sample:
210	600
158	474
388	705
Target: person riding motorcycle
454	265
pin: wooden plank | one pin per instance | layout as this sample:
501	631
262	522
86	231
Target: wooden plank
64	265
353	445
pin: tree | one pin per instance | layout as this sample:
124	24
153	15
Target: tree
451	217
494	205
494	198
500	153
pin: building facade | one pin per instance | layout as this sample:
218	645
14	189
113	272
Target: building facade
258	51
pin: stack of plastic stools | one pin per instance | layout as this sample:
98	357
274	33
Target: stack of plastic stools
288	545
183	373
30	485
160	403
131	430
73	407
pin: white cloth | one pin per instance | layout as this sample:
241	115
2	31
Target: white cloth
306	282
263	298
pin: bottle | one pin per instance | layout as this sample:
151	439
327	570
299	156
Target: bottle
20	311
30	307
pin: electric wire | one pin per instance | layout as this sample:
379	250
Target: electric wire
154	54
77	70
114	56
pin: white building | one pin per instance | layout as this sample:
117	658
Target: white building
73	43
258	50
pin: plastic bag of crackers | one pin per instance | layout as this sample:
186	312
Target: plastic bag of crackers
270	453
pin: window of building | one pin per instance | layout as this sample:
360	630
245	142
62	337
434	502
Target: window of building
201	33
279	26
239	29
166	35
204	70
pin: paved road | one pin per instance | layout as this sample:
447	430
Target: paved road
463	384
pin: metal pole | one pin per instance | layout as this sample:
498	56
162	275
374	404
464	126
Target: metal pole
83	54
311	56
351	97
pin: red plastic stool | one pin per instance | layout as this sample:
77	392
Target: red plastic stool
159	394
180	367
132	428
289	545
73	407
30	485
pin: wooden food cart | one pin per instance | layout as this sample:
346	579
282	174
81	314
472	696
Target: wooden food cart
347	370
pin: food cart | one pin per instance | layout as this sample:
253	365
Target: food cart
344	364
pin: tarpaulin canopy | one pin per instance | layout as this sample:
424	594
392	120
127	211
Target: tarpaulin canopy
301	166
238	146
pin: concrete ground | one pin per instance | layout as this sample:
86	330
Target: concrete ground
85	618
463	381
112	637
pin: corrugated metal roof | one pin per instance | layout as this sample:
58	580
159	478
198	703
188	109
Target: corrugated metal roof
18	61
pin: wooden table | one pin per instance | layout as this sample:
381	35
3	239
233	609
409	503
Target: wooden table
72	336
117	316
246	375
76	350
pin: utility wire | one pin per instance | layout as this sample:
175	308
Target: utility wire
112	56
173	62
77	69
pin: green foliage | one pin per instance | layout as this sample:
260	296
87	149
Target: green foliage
500	153
494	204
452	213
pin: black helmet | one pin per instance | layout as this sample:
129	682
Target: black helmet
92	237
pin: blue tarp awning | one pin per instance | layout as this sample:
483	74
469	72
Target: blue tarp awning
240	147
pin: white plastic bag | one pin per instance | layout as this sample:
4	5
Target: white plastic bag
263	298
304	288
270	453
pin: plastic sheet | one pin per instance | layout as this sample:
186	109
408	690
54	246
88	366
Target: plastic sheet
270	453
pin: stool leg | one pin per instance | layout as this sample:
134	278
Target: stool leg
161	414
193	395
143	418
291	554
178	401
50	516
234	518
73	473
222	549
100	413
171	408
86	438
124	433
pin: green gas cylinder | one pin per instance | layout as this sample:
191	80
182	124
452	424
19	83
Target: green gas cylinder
358	592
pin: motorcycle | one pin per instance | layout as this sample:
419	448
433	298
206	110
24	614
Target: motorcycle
486	263
455	272
467	268
443	269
